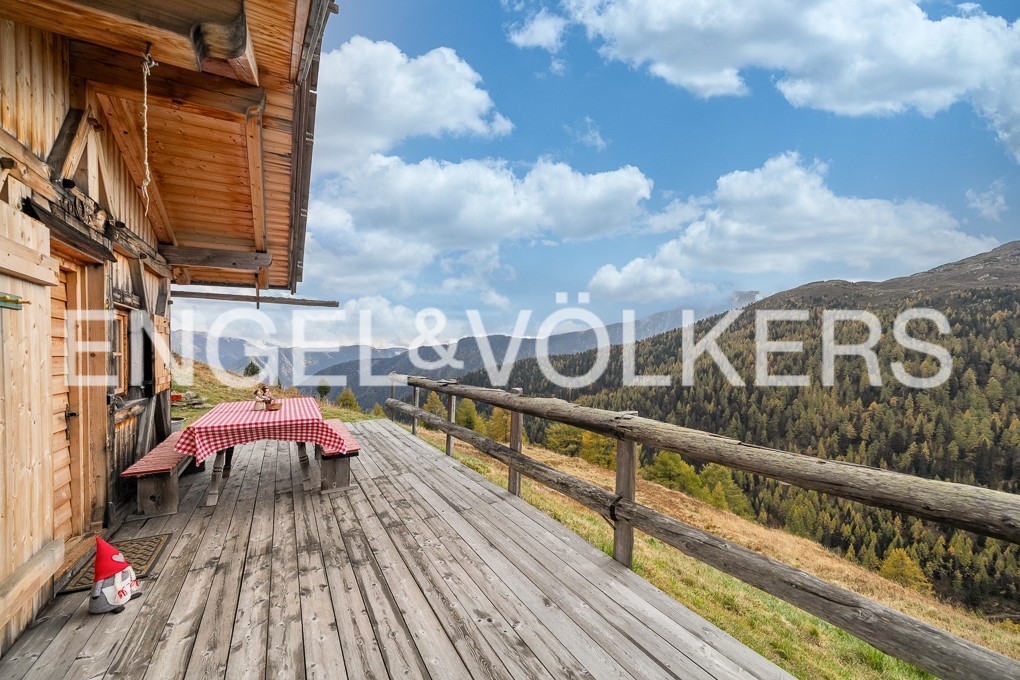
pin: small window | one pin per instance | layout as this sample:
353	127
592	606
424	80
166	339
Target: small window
119	350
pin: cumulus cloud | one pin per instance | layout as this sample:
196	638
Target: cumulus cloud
782	217
372	96
867	57
989	204
643	279
392	324
477	203
542	30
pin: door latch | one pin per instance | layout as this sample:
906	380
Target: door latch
68	414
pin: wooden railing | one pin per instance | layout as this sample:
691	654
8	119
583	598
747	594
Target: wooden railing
984	511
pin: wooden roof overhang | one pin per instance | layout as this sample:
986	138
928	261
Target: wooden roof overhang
230	118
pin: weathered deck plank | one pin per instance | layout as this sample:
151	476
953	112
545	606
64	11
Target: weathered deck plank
423	570
286	654
609	593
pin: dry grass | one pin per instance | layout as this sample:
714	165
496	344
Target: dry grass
800	643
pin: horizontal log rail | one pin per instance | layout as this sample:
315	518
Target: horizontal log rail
984	511
887	629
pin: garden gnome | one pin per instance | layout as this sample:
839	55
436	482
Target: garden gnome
114	583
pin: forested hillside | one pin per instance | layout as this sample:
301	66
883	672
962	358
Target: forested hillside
966	430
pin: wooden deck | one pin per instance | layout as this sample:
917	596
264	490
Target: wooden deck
424	569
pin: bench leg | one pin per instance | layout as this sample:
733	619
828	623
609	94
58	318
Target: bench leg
158	495
336	474
302	452
217	475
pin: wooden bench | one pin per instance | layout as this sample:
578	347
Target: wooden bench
157	474
336	470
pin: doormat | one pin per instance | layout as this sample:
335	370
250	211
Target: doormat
141	553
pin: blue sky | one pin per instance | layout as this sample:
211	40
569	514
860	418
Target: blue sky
657	153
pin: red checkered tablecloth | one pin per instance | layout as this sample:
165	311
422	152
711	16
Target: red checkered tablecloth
237	422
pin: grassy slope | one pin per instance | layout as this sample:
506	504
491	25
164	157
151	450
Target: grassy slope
207	386
802	644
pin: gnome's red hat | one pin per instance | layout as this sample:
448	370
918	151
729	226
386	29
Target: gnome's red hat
109	561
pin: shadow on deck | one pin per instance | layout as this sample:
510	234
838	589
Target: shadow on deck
425	569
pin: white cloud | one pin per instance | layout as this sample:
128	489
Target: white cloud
372	96
542	30
378	226
782	217
392	324
643	279
589	134
478	203
866	57
340	259
989	204
493	299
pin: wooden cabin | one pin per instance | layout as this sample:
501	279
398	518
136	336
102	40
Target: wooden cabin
117	179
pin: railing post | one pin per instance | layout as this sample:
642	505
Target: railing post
626	487
513	480
451	415
393	393
414	402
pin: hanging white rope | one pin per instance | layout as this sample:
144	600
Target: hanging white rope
147	65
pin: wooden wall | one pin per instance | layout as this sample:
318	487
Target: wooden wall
50	489
117	191
33	85
26	474
34	95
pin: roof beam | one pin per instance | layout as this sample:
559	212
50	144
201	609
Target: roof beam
257	183
179	256
258	299
29	169
120	75
191	35
127	137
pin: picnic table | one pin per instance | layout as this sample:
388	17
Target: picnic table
231	424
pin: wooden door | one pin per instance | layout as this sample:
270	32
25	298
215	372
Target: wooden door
71	506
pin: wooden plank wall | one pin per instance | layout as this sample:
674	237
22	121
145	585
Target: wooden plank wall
122	455
118	194
61	400
26	473
33	85
34	95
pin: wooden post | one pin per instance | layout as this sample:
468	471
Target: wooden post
513	480
626	486
451	415
393	394
414	402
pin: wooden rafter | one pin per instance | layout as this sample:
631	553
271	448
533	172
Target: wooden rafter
70	143
256	181
119	75
129	141
214	257
29	169
244	65
259	299
184	33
